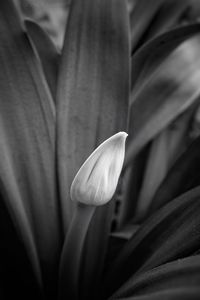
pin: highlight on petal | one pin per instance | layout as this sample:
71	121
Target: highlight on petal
96	180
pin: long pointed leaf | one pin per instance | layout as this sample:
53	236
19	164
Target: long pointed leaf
171	233
183	293
93	91
27	143
93	85
149	57
179	274
144	64
172	89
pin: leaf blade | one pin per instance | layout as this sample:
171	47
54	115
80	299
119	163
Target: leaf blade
142	14
170	91
169	234
174	276
27	133
47	51
153	53
180	178
93	92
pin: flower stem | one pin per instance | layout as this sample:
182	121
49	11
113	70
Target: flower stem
72	253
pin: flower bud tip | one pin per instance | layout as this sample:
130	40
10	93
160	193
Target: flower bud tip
96	180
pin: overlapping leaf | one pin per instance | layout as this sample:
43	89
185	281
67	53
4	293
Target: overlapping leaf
191	293
165	149
183	176
167	17
145	63
171	233
27	143
172	89
174	280
141	16
153	53
151	18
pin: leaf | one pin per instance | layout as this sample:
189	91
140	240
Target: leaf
131	184
155	170
170	91
93	91
152	54
167	16
183	293
27	142
71	257
141	16
153	18
93	85
144	64
47	52
183	176
165	149
180	277
169	234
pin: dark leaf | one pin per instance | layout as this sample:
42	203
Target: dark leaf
170	280
15	266
165	149
167	16
27	143
184	175
141	17
184	293
131	185
172	233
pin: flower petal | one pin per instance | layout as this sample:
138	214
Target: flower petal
96	181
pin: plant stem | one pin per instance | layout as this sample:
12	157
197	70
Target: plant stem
72	253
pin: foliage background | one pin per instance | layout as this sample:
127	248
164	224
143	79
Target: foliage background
152	250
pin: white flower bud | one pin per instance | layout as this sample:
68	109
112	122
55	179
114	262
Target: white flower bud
96	180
